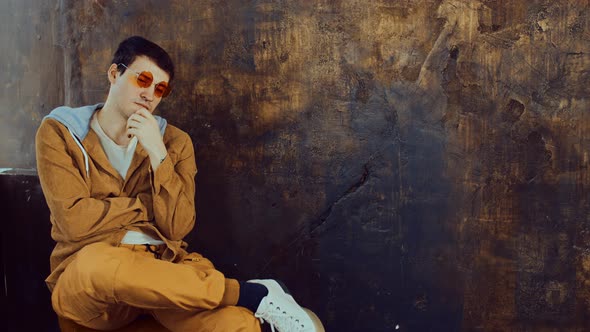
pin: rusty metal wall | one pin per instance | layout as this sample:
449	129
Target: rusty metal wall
421	163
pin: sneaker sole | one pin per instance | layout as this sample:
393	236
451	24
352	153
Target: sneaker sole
317	323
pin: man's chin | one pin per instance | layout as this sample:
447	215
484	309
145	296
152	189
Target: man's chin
129	113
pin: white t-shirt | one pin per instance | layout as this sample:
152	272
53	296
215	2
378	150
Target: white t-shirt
121	157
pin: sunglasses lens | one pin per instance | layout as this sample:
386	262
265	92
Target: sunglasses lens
161	90
145	79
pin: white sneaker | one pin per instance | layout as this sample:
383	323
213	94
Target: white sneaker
280	310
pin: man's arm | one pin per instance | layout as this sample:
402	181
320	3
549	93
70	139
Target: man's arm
61	170
173	189
172	174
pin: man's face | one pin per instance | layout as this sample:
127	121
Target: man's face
126	93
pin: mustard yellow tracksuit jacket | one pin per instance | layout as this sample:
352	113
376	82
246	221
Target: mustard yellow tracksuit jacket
89	201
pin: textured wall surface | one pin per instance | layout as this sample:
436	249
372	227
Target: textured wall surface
32	75
422	163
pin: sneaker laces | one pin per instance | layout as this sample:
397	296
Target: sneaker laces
273	314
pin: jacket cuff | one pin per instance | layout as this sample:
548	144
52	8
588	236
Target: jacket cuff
162	174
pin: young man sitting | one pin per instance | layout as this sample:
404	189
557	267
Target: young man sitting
119	183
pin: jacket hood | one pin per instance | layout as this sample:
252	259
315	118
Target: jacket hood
77	120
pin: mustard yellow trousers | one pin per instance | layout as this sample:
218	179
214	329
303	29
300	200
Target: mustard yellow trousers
107	287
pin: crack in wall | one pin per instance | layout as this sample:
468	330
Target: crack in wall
351	190
324	216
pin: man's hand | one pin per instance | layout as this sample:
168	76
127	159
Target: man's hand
144	126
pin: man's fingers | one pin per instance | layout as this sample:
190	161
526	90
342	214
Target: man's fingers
144	113
136	117
134	123
131	131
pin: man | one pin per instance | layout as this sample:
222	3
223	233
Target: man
119	183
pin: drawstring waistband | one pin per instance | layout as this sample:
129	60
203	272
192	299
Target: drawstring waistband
156	249
149	248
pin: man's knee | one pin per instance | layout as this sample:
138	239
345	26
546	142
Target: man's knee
84	290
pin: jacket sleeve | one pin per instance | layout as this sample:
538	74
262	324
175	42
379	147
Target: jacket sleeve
173	190
62	174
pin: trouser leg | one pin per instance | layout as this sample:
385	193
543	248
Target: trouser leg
104	284
223	319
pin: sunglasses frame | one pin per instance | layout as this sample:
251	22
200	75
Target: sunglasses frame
138	74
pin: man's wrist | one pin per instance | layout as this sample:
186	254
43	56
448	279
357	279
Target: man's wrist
157	158
159	155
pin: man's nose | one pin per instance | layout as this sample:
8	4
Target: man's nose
148	93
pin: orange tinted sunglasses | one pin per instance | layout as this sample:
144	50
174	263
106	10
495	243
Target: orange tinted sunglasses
145	80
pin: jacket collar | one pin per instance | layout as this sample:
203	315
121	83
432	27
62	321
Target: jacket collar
77	120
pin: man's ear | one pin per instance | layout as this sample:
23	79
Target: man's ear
113	73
